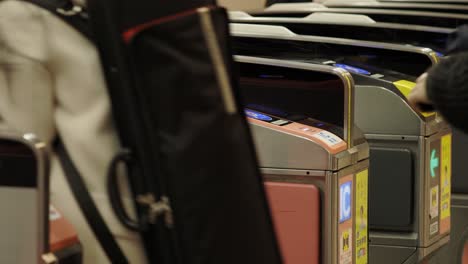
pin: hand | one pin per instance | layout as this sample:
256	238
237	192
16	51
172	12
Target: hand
418	95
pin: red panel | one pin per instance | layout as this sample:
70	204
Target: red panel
465	255
296	215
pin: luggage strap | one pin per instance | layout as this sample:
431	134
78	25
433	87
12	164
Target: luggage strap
88	207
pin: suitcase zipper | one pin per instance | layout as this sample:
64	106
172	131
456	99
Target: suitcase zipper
157	209
73	11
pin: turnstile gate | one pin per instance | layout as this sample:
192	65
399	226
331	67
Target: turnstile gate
301	117
433	7
356	27
396	132
427	18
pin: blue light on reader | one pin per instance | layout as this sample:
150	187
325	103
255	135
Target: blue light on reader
352	69
440	55
320	124
268	110
269	76
257	115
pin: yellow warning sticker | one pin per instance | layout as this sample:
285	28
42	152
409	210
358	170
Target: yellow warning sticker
346	245
361	230
405	88
445	180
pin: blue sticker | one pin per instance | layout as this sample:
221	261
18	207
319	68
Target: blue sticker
257	115
345	201
352	69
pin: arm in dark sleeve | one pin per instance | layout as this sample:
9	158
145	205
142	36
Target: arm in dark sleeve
447	88
458	41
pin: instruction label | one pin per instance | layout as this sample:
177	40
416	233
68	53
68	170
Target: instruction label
445	182
346	245
434	229
439	161
329	138
433	169
361	212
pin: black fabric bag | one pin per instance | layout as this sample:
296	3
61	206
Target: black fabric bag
187	147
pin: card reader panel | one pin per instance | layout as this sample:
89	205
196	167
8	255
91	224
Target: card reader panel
392	186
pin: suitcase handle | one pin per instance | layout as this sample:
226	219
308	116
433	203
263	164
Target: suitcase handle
125	157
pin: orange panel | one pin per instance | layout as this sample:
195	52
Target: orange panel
296	215
61	234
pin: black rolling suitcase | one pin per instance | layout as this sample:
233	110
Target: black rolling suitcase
189	155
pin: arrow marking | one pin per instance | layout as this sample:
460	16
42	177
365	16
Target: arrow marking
434	164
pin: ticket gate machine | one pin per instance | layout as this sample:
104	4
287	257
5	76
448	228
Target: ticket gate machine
39	233
433	19
456	2
414	224
445	8
460	179
311	167
460	182
350	26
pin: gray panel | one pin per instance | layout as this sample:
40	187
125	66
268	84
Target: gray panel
460	166
394	239
459	216
413	144
459	226
380	111
381	254
277	149
391	171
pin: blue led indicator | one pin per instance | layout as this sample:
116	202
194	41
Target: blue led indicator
257	115
269	76
267	109
439	54
352	69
